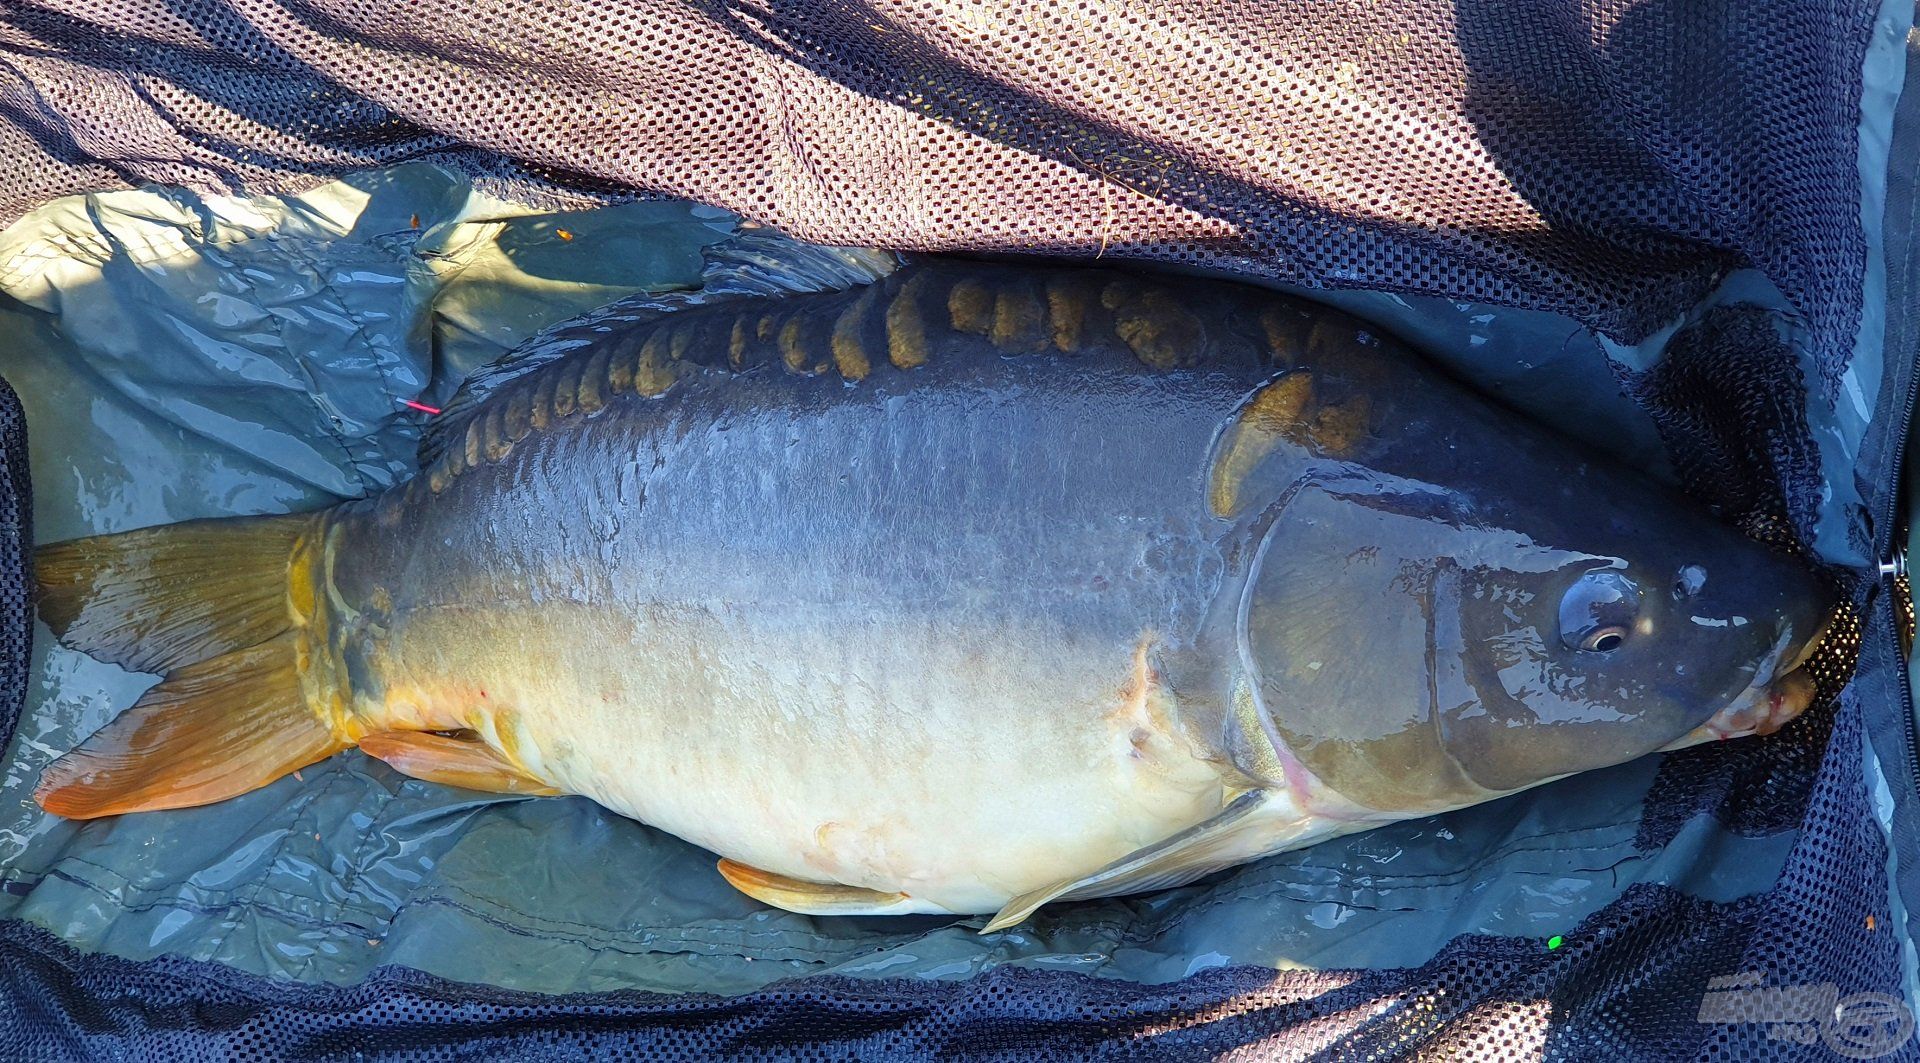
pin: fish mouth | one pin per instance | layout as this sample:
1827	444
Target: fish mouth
1782	689
1813	644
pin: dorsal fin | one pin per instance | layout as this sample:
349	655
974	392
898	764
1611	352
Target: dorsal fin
757	263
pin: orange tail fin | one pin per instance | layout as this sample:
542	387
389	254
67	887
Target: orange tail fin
205	602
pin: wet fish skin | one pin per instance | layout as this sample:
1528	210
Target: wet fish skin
992	583
964	589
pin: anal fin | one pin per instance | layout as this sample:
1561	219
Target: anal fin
813	898
1216	843
464	762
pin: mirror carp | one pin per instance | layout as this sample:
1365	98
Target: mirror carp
968	590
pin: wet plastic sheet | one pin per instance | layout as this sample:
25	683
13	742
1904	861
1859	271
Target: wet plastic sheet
343	305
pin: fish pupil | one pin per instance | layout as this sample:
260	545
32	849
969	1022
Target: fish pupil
1598	611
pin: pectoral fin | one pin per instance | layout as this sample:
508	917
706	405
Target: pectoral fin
1202	849
464	762
813	898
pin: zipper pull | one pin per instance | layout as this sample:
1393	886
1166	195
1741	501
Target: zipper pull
1894	568
1894	571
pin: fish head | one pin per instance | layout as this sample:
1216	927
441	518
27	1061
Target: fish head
1418	645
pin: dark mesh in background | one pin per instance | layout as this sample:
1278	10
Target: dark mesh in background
16	543
1625	985
1729	401
1827	920
1605	160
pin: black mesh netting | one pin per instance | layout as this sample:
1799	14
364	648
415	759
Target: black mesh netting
1728	401
1607	160
16	541
172	1009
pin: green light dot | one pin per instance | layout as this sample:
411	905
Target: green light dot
1553	942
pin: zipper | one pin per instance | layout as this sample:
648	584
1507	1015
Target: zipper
1894	581
1896	589
1894	585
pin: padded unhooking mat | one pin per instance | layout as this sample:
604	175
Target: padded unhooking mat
1673	231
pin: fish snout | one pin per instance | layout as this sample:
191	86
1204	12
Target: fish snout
1783	687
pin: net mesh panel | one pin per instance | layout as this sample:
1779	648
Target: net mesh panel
1727	399
1606	160
1628	980
16	543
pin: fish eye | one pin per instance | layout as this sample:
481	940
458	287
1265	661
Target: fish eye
1598	610
1688	581
1604	640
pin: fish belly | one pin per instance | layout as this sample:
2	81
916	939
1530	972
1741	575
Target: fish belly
892	756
